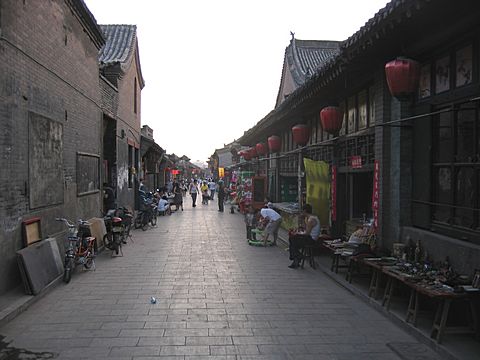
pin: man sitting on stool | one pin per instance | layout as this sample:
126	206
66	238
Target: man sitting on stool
300	239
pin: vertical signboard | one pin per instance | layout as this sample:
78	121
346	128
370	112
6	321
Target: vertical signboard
334	194
376	193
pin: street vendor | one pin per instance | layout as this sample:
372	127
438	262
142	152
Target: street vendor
301	238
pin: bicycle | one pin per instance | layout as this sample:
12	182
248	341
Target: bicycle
80	249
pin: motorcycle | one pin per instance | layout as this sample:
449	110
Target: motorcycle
117	223
147	213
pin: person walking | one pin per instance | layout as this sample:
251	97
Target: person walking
212	186
221	195
302	238
193	190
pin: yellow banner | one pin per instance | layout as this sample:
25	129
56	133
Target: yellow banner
221	172
318	189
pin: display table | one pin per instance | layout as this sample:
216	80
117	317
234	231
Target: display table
289	212
442	294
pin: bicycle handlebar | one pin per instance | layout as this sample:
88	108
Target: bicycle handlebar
70	225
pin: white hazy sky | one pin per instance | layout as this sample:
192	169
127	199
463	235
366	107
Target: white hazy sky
212	68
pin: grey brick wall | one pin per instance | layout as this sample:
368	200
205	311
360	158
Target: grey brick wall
48	67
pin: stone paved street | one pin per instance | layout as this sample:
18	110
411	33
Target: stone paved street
217	298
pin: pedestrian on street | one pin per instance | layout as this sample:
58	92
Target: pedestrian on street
302	238
212	186
193	190
221	195
204	190
178	197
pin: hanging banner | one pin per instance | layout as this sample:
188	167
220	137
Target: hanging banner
376	192
333	186
221	172
318	188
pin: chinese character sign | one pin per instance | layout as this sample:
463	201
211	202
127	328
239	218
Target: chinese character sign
221	172
376	192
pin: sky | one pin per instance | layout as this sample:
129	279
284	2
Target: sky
212	68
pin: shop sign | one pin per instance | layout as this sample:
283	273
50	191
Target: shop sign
356	162
376	192
334	194
221	172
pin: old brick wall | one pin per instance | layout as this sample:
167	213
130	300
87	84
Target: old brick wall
129	122
48	68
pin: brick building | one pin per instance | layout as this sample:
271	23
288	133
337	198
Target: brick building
121	82
50	120
426	145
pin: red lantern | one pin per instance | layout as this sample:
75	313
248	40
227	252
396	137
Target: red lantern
261	149
402	77
253	152
331	118
246	155
301	134
274	143
167	169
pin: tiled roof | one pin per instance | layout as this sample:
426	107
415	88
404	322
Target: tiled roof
306	56
121	42
374	29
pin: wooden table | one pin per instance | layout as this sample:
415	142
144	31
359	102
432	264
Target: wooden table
336	249
444	296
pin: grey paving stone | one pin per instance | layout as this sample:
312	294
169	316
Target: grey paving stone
217	298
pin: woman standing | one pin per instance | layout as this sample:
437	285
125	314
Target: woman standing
193	190
178	197
221	195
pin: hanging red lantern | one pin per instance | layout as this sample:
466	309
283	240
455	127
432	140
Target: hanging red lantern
274	143
253	152
301	134
331	119
246	155
261	149
402	77
167	169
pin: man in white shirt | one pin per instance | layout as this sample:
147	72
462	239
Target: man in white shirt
274	220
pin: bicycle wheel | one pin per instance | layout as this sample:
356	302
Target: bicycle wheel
67	272
137	224
117	242
107	240
89	262
153	220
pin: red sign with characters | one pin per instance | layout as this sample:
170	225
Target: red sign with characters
356	162
376	192
334	194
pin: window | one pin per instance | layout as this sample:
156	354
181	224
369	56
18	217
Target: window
456	167
88	173
352	115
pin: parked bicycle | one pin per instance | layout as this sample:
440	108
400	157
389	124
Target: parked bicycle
80	249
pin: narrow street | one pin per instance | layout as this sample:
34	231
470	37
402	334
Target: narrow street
217	298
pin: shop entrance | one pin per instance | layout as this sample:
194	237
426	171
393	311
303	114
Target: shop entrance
354	200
